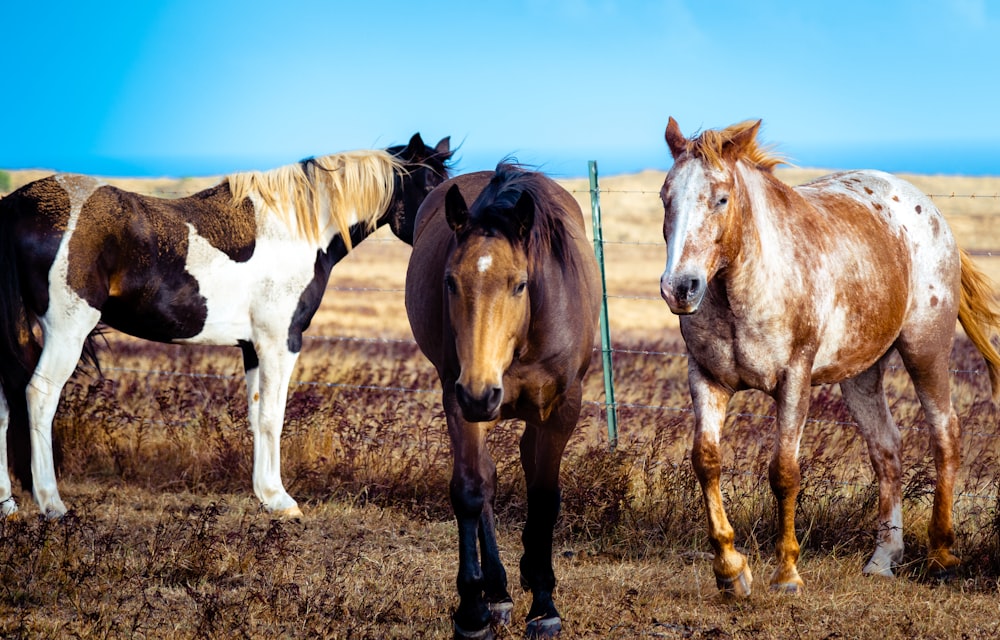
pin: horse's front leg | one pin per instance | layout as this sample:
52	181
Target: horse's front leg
471	491
792	398
542	448
732	574
268	367
498	599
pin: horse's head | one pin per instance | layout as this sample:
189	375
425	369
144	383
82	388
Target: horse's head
700	203
486	278
423	169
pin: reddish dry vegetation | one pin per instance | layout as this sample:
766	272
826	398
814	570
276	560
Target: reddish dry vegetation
165	539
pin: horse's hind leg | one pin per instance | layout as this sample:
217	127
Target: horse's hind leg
60	354
928	367
7	504
865	397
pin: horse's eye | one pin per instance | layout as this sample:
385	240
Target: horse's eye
449	283
519	288
723	201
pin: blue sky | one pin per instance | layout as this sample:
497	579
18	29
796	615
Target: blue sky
199	87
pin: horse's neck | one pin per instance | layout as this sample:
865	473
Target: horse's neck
766	242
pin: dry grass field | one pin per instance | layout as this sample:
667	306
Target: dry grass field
165	540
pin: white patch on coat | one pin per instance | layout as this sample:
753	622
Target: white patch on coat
243	297
484	263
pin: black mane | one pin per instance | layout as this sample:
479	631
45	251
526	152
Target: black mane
490	213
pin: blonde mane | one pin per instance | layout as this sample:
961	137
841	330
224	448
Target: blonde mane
734	143
354	182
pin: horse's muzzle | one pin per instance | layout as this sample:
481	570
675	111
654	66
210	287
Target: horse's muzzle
683	292
483	407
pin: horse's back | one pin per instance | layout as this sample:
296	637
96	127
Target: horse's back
908	216
908	258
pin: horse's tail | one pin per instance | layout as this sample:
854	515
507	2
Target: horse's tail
19	350
978	315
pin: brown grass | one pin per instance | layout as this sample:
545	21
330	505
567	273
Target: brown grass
165	539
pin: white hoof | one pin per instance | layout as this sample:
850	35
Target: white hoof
53	513
290	513
54	510
8	507
879	565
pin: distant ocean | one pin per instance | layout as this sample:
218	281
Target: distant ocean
932	159
979	159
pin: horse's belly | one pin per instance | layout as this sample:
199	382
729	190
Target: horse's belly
850	342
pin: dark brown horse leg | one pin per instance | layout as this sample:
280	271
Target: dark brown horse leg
542	449
930	379
471	492
865	397
732	575
498	599
792	400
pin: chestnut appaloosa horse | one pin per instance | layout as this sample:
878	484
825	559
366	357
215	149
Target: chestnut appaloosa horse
502	297
782	288
244	263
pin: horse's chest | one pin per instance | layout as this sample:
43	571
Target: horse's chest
735	356
531	391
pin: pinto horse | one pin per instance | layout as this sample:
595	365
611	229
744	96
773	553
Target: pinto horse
502	298
244	263
781	288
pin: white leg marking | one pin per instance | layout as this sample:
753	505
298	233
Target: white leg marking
7	504
60	354
274	375
889	549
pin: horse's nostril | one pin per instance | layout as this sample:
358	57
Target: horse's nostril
693	287
495	398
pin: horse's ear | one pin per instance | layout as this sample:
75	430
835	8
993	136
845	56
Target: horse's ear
524	214
416	143
456	212
675	139
745	139
443	148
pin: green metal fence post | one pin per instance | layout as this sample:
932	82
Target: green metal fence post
611	408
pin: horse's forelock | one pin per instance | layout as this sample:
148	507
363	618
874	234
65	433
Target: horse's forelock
491	211
718	147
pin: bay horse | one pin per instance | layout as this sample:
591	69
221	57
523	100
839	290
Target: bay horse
781	288
244	263
502	297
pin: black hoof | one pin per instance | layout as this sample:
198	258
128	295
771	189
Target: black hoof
500	612
943	575
486	633
543	628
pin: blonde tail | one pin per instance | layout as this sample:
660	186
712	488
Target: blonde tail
978	315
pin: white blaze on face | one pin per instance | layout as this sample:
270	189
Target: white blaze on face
484	263
690	184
